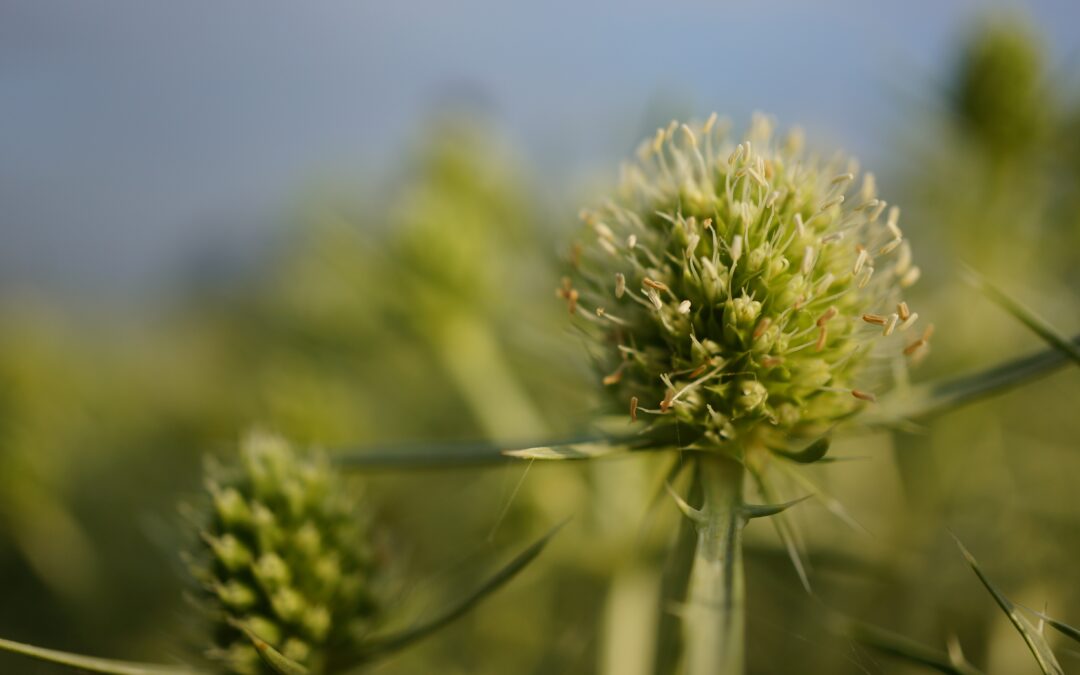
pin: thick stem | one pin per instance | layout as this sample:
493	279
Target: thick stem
714	617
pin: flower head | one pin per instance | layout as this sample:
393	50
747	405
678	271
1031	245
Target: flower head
284	553
738	289
998	94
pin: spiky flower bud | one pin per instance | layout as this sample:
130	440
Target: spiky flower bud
284	551
737	289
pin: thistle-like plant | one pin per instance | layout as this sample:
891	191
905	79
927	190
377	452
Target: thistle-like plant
742	291
284	554
737	296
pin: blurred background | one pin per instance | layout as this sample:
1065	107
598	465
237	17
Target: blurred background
345	222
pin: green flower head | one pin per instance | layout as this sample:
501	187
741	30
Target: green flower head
998	93
283	552
739	289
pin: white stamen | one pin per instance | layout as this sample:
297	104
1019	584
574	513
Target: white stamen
709	123
684	307
910	321
689	135
867	272
889	247
808	260
692	242
910	278
835	201
654	298
890	325
736	247
860	260
736	154
892	220
903	259
620	284
876	212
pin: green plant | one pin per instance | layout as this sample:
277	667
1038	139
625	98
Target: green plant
284	553
734	294
286	573
689	334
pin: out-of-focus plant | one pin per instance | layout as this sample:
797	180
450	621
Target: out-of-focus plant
287	575
989	184
1000	97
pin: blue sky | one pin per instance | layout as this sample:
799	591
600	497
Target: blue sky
133	134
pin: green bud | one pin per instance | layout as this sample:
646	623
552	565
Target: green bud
264	628
308	540
271	572
297	650
751	395
230	552
285	554
237	595
288	604
231	507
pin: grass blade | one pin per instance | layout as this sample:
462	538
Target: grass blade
442	454
395	641
93	664
1037	324
1035	640
904	648
938	396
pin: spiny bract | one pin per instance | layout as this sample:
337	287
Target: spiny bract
737	289
284	551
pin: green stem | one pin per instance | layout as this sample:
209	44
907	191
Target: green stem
714	619
673	589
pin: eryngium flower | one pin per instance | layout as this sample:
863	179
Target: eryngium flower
738	289
998	93
284	551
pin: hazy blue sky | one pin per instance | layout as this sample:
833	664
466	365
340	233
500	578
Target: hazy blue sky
135	133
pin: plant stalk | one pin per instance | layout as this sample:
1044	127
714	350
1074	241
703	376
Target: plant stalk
714	622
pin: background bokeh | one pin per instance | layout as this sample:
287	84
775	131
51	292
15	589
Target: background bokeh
345	221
